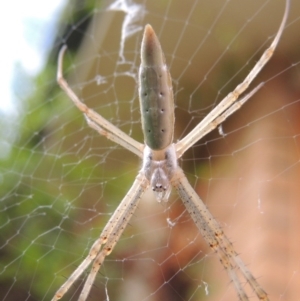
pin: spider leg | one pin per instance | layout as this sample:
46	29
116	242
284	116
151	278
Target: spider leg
236	106
99	123
191	138
112	137
215	237
108	238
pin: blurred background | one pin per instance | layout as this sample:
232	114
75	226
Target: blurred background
61	181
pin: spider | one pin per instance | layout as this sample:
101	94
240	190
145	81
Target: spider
160	169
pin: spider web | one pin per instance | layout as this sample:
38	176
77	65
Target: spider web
61	181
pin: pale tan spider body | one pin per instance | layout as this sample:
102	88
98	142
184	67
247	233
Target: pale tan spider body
157	111
160	169
155	94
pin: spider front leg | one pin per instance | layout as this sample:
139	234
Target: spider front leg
220	119
94	120
108	238
197	133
